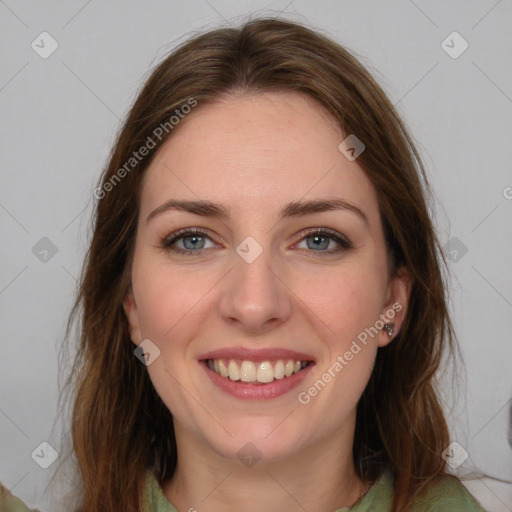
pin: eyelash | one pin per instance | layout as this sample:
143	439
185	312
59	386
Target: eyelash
167	242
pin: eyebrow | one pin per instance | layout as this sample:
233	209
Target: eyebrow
292	209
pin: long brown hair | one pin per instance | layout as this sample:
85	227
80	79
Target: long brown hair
120	427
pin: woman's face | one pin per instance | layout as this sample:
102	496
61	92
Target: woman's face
257	294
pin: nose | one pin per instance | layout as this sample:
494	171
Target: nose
254	296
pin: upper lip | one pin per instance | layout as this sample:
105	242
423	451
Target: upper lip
261	354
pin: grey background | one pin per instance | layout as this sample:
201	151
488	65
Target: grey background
59	118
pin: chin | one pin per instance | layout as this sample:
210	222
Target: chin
258	443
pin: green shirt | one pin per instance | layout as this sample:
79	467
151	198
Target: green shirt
448	496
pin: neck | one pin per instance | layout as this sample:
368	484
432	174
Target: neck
322	478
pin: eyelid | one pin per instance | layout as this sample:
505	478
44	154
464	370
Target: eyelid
324	231
167	240
345	244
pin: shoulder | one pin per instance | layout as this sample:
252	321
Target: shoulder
154	498
447	494
10	503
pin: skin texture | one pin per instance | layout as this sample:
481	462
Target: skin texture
254	154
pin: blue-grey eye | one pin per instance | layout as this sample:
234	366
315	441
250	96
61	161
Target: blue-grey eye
319	242
192	241
195	242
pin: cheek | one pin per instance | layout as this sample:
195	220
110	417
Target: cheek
170	304
168	298
346	300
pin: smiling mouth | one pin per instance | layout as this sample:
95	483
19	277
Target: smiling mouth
256	372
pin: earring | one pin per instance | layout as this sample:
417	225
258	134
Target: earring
389	329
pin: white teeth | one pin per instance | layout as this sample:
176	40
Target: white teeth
249	371
279	370
233	371
222	368
265	372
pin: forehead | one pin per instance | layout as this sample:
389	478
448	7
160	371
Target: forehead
255	153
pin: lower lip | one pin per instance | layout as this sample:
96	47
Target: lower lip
244	391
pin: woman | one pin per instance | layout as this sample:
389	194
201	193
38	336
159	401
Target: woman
262	305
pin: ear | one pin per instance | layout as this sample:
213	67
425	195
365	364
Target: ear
395	307
132	315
